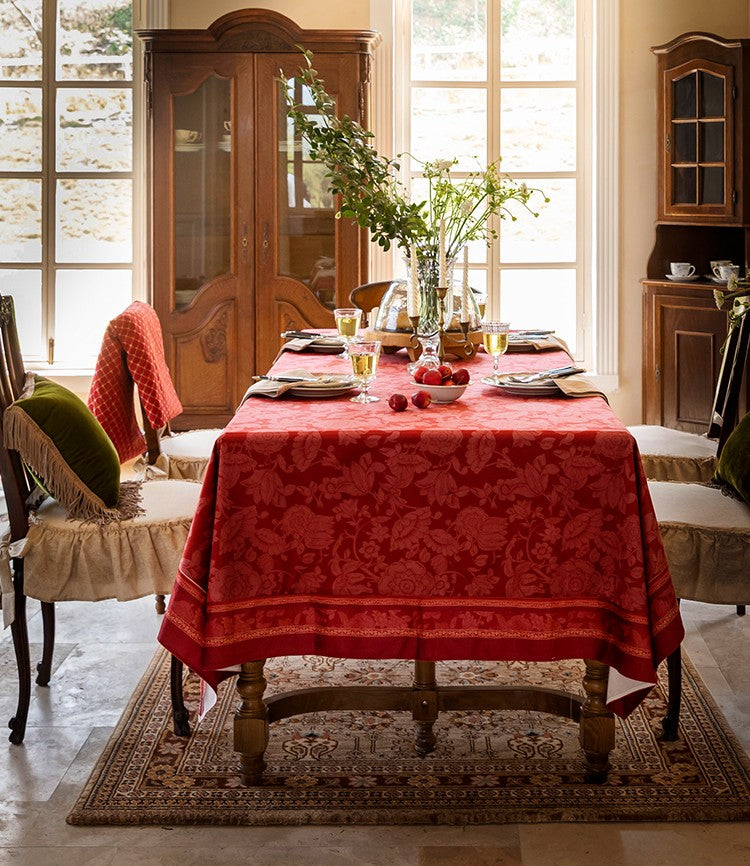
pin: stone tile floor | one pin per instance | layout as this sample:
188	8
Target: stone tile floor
100	654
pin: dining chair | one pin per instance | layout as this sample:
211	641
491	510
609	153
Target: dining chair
59	549
675	455
706	534
368	297
132	356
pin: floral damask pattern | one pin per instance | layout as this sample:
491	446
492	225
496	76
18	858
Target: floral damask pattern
495	527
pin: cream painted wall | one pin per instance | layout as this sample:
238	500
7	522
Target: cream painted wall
644	23
310	14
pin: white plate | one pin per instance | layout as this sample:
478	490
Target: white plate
189	146
691	279
225	145
716	280
542	388
317	391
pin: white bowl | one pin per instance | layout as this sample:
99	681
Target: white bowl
441	393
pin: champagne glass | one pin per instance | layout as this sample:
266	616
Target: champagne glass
347	323
364	357
495	340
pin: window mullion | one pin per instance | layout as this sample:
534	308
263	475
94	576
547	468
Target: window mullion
49	72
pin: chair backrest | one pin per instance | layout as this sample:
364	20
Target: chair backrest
369	296
17	485
725	410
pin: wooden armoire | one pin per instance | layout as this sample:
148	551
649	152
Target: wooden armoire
244	242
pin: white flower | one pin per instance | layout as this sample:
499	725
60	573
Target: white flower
523	189
443	164
467	206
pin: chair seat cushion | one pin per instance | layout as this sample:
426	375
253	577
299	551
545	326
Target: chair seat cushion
185	455
67	560
673	455
706	537
68	451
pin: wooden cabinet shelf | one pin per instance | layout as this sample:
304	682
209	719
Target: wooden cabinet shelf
244	242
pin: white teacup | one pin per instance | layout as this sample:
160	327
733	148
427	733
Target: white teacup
186	136
682	269
228	125
717	263
724	272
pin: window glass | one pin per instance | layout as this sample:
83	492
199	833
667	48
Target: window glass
552	236
21	138
94	129
538	129
94	40
85	301
21	40
540	298
88	232
449	40
21	223
448	122
537	41
25	287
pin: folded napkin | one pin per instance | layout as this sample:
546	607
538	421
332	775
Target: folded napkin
578	386
299	344
546	343
271	388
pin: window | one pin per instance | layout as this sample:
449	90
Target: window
520	79
66	172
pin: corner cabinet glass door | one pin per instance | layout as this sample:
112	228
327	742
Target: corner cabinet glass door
698	141
302	273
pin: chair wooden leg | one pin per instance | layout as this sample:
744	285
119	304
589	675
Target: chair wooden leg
44	668
159	604
740	610
670	723
180	717
20	634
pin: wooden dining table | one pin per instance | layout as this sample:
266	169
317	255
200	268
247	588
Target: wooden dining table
496	527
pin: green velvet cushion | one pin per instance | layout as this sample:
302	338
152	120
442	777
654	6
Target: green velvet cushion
65	447
734	462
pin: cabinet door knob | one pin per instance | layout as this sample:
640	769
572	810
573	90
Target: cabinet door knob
668	143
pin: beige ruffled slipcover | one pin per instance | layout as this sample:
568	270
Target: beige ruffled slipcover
706	537
67	560
185	455
673	455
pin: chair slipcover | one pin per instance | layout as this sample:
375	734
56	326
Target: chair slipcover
706	537
183	456
673	455
68	560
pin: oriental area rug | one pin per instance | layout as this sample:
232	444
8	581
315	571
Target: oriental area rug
360	768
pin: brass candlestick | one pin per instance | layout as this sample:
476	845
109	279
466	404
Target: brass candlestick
451	343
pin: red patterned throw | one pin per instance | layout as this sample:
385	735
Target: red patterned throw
132	352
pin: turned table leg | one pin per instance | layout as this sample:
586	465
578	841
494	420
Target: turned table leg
424	707
251	723
597	725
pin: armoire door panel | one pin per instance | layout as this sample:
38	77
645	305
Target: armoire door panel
202	361
695	376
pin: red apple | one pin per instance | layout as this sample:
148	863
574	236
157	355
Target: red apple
432	377
461	376
449	381
419	373
421	399
398	402
445	371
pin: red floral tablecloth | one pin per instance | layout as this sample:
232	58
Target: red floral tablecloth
495	527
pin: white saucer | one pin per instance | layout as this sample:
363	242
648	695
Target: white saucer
691	279
189	146
716	280
225	145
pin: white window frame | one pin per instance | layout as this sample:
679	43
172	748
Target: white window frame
597	206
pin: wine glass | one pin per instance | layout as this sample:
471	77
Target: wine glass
495	340
364	357
347	323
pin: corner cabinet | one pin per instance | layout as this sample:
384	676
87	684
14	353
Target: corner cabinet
703	214
244	242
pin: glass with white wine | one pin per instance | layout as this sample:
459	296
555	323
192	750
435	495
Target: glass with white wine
495	341
347	323
364	356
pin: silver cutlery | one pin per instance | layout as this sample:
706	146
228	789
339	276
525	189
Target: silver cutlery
317	380
304	335
545	374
